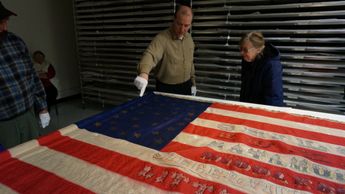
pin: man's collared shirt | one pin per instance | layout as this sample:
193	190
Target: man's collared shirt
170	57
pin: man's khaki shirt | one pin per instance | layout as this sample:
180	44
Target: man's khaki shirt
171	59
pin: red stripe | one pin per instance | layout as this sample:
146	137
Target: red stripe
282	115
237	163
25	178
275	128
4	156
269	145
128	166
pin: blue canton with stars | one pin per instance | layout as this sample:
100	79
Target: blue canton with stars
152	121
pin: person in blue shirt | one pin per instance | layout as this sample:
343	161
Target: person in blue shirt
21	91
261	71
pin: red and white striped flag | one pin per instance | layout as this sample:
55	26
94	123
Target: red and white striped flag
227	149
260	151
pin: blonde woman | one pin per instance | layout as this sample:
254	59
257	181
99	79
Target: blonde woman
261	73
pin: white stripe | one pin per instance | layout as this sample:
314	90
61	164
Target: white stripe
288	139
82	173
68	129
29	145
280	122
205	171
6	190
289	110
23	148
244	150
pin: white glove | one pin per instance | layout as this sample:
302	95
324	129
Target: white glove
193	90
141	84
45	119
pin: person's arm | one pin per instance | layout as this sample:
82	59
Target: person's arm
192	72
243	86
35	83
39	94
151	57
274	84
40	99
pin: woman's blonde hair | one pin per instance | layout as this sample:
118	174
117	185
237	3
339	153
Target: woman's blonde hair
256	38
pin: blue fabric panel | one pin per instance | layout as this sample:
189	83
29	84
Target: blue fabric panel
152	120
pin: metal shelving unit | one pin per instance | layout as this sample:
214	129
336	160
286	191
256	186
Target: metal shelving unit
310	34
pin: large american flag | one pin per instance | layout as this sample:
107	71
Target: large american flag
176	144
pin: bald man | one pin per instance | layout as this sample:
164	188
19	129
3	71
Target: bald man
170	56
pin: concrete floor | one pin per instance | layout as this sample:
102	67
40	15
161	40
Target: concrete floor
70	111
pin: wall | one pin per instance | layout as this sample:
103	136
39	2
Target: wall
48	25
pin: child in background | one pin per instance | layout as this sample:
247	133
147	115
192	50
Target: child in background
45	71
